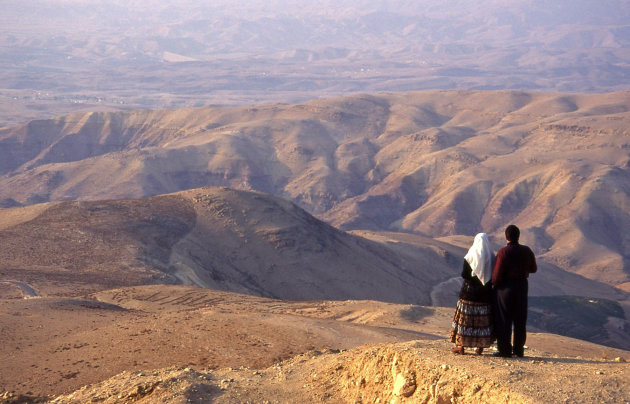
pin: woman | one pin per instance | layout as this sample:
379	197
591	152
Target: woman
472	323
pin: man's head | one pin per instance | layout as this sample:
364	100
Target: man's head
512	233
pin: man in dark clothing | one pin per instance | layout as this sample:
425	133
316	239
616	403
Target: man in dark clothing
513	265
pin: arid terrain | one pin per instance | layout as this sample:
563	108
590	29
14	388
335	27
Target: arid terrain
270	201
217	238
75	329
239	241
373	198
187	344
435	163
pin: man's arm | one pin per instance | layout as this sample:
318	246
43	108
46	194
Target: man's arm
532	262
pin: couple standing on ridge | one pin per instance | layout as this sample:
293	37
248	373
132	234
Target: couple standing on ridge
493	297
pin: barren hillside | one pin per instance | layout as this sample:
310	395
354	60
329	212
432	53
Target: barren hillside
213	237
240	241
435	163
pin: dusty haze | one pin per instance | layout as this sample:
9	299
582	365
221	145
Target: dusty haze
63	56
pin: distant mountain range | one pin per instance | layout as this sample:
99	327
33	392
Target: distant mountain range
434	163
62	56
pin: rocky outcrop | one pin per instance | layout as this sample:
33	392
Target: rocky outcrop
414	372
389	374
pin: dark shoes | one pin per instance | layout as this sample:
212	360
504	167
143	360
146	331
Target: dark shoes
458	350
502	355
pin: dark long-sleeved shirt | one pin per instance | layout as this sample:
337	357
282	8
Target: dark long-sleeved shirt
472	289
514	261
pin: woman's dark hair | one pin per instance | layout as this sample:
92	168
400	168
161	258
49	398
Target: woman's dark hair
512	233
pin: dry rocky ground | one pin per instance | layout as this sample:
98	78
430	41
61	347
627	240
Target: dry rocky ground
180	344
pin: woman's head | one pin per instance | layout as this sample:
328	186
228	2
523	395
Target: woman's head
479	257
481	241
481	238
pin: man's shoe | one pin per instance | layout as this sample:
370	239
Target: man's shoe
501	355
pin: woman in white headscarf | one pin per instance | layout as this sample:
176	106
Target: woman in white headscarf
473	322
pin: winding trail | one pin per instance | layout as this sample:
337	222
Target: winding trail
443	293
27	291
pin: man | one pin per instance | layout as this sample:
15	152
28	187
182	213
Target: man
512	268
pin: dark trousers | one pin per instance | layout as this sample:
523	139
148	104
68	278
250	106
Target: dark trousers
510	309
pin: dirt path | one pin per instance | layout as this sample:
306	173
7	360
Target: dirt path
27	291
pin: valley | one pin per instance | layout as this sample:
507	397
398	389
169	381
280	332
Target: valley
60	57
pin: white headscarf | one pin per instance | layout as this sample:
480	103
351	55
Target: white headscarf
479	257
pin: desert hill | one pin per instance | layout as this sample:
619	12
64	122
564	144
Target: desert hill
161	343
438	163
217	238
241	241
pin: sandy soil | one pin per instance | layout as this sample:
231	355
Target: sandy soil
157	343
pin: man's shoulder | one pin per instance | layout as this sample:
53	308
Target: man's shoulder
525	248
502	250
513	248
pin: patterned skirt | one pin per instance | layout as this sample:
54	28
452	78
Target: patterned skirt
472	325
